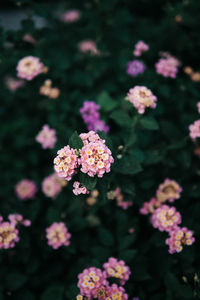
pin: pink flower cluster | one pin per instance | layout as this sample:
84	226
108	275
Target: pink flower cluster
88	46
167	218
140	47
141	98
25	189
46	137
168	66
94	158
29	67
52	185
79	188
9	233
91	116
70	16
117	194
58	235
195	130
93	282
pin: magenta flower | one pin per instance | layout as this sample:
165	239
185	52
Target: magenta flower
25	189
179	237
165	218
47	137
135	68
141	98
70	16
79	189
140	47
168	67
117	269
169	190
57	235
29	67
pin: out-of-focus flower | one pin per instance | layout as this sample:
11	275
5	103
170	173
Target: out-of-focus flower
188	70
169	190
47	90
17	219
29	38
178	19
140	47
179	237
117	269
135	68
195	76
168	67
165	218
25	189
70	16
46	137
88	46
91	116
198	107
29	67
141	98
58	235
52	185
92	199
13	84
195	130
120	199
150	206
79	189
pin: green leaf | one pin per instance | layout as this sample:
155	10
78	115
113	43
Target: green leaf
75	141
149	123
128	255
53	215
53	292
127	165
106	102
105	237
15	280
121	118
87	181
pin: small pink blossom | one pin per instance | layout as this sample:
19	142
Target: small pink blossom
13	84
29	67
195	130
115	292
9	235
58	235
165	218
47	137
79	189
169	190
150	206
66	163
91	281
17	219
140	47
117	269
95	157
25	189
168	66
120	199
70	16
29	38
179	237
88	46
51	186
141	98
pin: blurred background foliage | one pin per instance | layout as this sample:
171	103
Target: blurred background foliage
32	270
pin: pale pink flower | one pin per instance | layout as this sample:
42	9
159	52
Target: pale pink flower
29	67
66	163
150	206
17	219
95	157
9	235
51	186
58	235
47	137
140	47
169	190
91	281
179	237
88	46
165	218
25	189
70	16
115	292
29	38
117	269
79	189
141	98
13	84
195	130
168	67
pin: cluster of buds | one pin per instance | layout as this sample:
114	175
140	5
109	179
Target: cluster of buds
166	218
79	188
94	158
194	76
94	283
9	230
48	91
52	185
58	235
117	194
92	199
